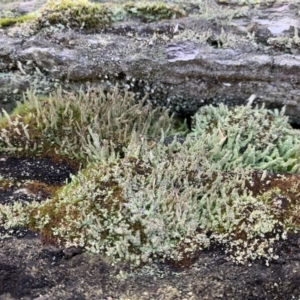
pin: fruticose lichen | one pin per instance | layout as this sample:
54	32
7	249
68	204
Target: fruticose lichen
288	44
78	126
244	137
158	202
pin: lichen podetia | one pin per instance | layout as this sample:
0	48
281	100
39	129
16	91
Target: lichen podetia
153	201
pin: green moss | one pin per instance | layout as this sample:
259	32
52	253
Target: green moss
88	15
76	14
153	11
4	22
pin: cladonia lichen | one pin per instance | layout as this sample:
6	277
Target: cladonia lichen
167	201
77	126
244	137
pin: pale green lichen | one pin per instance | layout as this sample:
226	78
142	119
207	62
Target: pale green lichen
77	126
286	43
157	204
167	202
244	137
222	40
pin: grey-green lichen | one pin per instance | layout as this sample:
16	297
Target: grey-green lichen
288	43
160	202
244	137
78	126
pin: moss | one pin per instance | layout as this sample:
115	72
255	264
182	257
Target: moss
39	188
76	14
83	14
88	15
4	22
154	11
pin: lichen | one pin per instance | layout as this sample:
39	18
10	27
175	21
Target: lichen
164	203
76	127
288	44
167	201
244	137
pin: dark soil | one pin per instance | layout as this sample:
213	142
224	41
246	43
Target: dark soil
43	170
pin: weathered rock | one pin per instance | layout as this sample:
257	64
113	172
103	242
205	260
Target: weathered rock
30	271
182	63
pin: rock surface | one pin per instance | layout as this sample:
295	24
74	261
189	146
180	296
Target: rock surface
225	55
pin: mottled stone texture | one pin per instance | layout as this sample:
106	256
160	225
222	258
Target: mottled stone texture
182	63
30	271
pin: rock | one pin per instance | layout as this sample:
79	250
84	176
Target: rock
182	63
30	270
